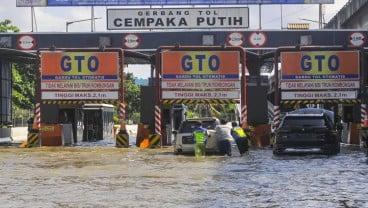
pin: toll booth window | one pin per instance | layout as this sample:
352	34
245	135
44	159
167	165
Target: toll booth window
5	94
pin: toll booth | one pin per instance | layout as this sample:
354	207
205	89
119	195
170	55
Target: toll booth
98	122
177	116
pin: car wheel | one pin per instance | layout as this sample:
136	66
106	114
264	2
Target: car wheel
277	151
336	149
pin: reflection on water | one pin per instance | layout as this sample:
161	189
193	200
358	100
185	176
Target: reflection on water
105	176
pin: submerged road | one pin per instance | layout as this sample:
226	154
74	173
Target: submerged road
105	176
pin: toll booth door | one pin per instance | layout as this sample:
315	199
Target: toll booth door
93	125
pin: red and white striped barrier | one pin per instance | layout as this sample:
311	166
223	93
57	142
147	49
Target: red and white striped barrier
157	120
276	116
363	115
38	116
244	114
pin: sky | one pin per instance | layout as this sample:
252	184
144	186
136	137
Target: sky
53	19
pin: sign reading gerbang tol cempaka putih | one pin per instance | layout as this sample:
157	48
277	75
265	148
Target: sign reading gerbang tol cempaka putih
177	18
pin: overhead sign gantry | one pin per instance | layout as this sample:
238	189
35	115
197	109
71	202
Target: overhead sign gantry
318	75
69	78
199	74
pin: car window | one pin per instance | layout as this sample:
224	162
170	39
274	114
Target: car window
303	122
209	124
188	126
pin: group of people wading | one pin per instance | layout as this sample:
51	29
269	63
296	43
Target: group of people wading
225	135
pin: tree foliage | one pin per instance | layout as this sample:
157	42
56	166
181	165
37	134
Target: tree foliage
23	78
23	87
132	97
6	26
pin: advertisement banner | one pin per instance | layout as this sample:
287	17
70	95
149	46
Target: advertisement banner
167	2
208	65
177	18
31	3
320	65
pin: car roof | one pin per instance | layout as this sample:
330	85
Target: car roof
202	119
310	110
304	115
329	113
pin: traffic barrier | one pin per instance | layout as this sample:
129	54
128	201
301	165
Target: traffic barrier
353	136
51	135
363	115
122	140
154	140
261	135
33	140
116	128
142	133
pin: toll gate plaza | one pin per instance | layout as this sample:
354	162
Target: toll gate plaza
260	49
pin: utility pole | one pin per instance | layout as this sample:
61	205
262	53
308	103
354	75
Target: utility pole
83	20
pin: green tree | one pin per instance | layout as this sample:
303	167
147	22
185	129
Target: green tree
23	80
132	97
6	26
23	88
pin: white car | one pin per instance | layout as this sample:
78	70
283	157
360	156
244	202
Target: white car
184	141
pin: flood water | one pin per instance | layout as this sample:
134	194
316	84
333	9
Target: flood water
105	176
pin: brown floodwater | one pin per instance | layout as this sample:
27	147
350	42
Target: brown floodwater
95	175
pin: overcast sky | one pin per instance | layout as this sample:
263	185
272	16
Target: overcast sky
53	19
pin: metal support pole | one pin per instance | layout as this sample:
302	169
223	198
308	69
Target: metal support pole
92	19
260	17
320	16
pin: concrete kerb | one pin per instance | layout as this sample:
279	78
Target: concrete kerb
19	134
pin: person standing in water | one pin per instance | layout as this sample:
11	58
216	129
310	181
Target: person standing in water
200	139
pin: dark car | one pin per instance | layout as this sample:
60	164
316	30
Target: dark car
305	133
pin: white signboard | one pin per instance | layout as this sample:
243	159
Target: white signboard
201	84
257	39
201	94
320	85
79	95
26	42
235	39
26	3
357	39
317	95
131	41
79	85
177	18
